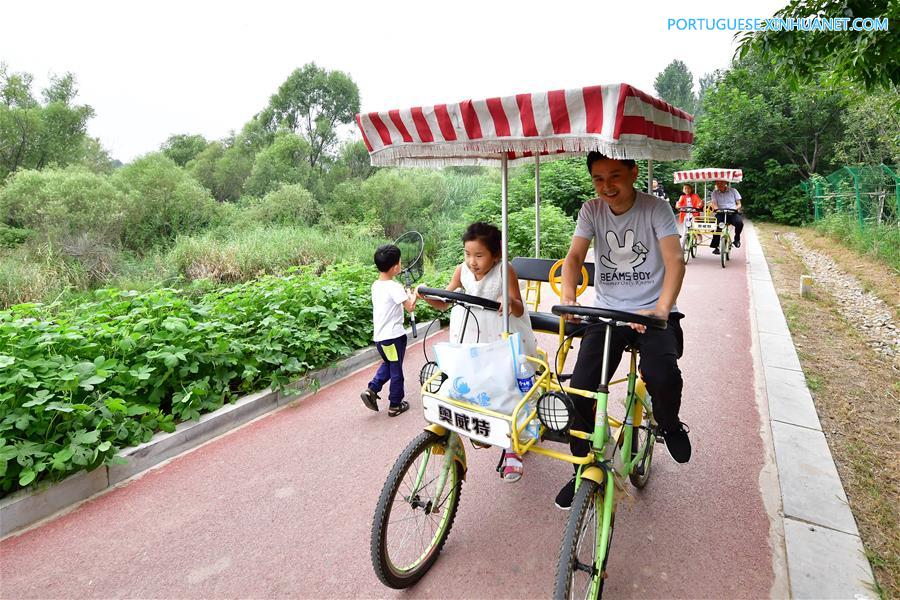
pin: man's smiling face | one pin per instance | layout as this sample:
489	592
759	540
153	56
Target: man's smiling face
614	182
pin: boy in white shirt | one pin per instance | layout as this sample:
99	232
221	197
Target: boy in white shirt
388	301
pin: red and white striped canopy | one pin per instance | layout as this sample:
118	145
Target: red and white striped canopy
710	174
618	120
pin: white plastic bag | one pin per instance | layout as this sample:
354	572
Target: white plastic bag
483	374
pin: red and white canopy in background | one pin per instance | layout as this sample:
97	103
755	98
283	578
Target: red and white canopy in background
710	174
618	120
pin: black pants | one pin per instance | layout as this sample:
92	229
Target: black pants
733	219
390	370
659	350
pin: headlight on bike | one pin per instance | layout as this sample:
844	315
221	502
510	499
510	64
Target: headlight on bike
555	411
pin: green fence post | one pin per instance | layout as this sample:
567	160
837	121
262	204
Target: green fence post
859	216
893	176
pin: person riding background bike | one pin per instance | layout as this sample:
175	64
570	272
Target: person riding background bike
639	269
688	199
725	197
658	190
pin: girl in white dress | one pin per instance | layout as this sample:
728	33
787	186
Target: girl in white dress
479	275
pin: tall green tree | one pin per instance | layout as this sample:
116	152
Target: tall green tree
869	58
183	148
284	162
706	82
754	120
94	156
222	169
871	129
313	102
35	135
675	85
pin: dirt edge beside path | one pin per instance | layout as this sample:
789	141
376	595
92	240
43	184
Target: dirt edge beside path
855	389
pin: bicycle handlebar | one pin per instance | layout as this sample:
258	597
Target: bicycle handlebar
605	314
458	298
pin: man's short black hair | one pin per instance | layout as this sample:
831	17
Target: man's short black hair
386	257
594	156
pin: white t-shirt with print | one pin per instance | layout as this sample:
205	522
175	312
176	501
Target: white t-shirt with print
387	310
628	268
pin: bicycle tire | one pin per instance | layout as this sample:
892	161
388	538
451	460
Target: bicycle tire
723	242
694	243
588	502
405	575
641	437
686	248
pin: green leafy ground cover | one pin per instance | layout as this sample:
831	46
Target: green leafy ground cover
78	384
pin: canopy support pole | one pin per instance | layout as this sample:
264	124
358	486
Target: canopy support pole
504	230
649	176
537	205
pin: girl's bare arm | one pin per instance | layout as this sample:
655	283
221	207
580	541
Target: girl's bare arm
455	283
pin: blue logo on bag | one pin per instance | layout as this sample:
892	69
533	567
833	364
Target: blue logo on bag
460	390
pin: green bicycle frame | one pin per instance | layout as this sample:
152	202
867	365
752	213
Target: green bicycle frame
601	437
449	458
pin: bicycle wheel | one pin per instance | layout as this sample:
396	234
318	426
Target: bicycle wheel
728	252
643	438
411	525
695	241
686	248
580	572
723	243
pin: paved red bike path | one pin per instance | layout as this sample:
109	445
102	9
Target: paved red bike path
283	506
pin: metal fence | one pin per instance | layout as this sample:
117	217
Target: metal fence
861	203
870	195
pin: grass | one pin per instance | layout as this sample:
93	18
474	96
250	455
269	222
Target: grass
859	418
36	272
226	258
881	242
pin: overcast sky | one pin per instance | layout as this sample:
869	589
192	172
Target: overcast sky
153	69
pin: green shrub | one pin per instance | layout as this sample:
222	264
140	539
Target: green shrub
63	205
556	232
10	237
222	170
288	205
78	385
162	202
286	161
396	199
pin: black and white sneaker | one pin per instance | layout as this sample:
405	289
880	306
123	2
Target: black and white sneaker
677	441
566	495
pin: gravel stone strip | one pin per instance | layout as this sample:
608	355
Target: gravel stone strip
860	308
